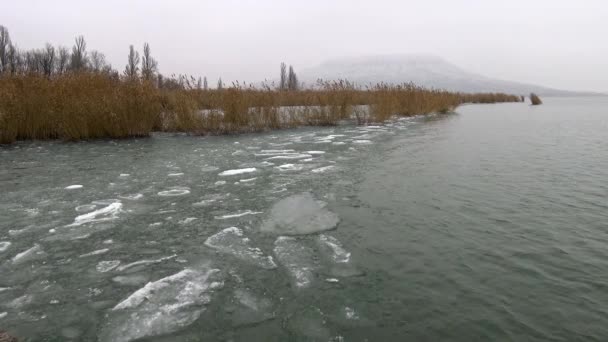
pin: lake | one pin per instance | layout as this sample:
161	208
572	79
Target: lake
490	223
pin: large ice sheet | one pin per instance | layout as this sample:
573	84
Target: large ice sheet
164	306
299	215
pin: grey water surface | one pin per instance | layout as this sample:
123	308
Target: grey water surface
490	223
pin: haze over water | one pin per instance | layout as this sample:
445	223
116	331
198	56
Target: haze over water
485	224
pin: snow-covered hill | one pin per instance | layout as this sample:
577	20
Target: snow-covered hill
424	70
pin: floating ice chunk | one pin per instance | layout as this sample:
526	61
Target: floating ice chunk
73	187
145	262
338	143
237	171
27	254
3	314
248	180
124	175
306	160
290	156
331	280
177	174
267	153
315	152
251	308
4	245
290	167
209	168
132	197
332	245
155	224
239	214
297	259
104	214
340	257
107	266
350	313
187	220
220	183
231	241
322	169
97	252
85	208
298	215
175	192
362	142
20	301
162	307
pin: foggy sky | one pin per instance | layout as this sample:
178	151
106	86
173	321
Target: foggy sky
555	43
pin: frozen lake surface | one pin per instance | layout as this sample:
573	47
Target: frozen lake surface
488	224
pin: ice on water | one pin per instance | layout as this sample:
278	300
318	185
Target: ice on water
297	258
237	172
107	213
232	241
163	306
299	215
4	245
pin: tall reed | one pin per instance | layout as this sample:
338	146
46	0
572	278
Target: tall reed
87	105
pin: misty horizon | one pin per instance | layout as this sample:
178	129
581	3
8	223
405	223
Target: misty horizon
548	43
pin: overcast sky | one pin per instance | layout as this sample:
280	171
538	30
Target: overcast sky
556	43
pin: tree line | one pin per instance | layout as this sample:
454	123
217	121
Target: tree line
52	61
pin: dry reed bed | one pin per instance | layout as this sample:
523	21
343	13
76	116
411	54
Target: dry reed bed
82	106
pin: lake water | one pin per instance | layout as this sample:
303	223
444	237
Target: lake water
487	224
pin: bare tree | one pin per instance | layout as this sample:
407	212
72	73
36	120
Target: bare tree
205	85
283	82
292	79
97	61
149	66
63	59
47	60
220	84
79	55
5	42
132	68
199	84
13	60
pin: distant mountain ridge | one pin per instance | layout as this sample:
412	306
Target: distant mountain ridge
424	70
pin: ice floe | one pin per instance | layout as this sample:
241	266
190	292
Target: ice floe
251	308
85	208
97	252
323	169
290	156
334	247
297	258
145	262
163	306
315	152
174	192
176	174
232	241
28	254
362	142
239	214
298	215
104	214
290	167
106	266
187	220
4	245
73	187
132	197
237	171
